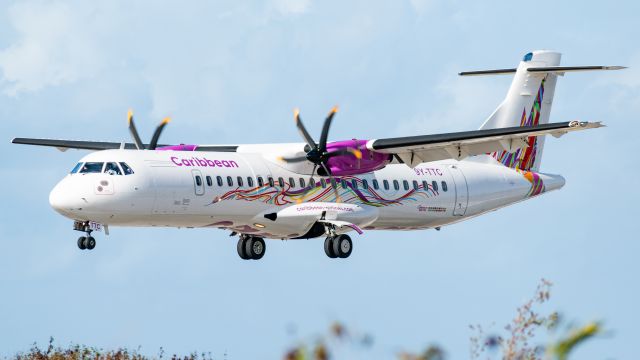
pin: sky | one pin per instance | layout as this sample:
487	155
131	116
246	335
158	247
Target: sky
231	72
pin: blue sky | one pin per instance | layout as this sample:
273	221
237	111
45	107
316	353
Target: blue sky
231	72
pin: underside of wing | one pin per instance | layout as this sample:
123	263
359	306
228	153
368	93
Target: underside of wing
64	145
414	150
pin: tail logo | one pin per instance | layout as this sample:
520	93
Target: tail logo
524	158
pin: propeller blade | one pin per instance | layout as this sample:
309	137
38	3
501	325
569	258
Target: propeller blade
134	131
303	131
333	181
156	135
325	130
294	159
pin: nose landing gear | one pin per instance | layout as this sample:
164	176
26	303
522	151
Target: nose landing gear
84	242
251	248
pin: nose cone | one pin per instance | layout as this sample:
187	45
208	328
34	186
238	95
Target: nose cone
65	198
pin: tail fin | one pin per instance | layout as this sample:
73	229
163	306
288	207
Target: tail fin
528	103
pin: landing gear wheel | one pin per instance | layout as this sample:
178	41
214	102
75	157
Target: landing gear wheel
255	248
90	243
242	243
342	246
328	247
81	244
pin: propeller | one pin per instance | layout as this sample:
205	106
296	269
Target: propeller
318	154
136	137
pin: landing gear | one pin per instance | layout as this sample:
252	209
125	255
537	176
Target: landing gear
251	248
84	242
339	246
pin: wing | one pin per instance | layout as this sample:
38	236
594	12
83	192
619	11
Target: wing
414	150
64	145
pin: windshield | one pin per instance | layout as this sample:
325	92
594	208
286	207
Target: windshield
112	169
91	167
76	168
126	168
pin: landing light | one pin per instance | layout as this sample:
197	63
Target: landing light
260	226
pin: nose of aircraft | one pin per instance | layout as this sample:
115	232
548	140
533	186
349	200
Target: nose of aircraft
65	198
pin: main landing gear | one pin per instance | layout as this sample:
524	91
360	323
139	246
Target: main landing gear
339	246
84	242
251	248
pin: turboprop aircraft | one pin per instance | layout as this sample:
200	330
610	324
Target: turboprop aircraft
322	188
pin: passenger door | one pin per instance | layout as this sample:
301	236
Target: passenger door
462	191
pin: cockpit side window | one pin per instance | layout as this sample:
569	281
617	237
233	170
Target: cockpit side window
76	168
112	169
91	167
127	170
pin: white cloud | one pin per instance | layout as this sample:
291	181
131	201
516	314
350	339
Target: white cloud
456	104
292	7
55	46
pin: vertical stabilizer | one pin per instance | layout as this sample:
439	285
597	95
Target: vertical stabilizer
528	103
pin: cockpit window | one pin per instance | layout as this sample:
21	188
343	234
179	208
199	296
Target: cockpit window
76	168
127	170
112	169
91	167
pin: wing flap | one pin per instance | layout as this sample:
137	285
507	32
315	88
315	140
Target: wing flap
413	150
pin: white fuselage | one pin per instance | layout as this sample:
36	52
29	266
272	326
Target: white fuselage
224	190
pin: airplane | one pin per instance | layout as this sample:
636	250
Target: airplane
322	188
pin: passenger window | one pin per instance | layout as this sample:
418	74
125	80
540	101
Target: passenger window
343	183
301	183
76	168
334	183
271	182
209	181
434	184
112	169
416	187
354	184
365	184
292	182
240	181
323	183
260	181
425	185
219	180
127	170
375	184
312	183
385	183
198	180
396	185
444	186
91	168
281	182
405	184
229	181
249	181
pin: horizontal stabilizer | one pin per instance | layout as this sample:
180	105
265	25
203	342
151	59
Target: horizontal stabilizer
545	69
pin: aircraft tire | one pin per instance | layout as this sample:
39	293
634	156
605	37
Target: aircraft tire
342	246
90	243
328	247
242	242
255	248
81	245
